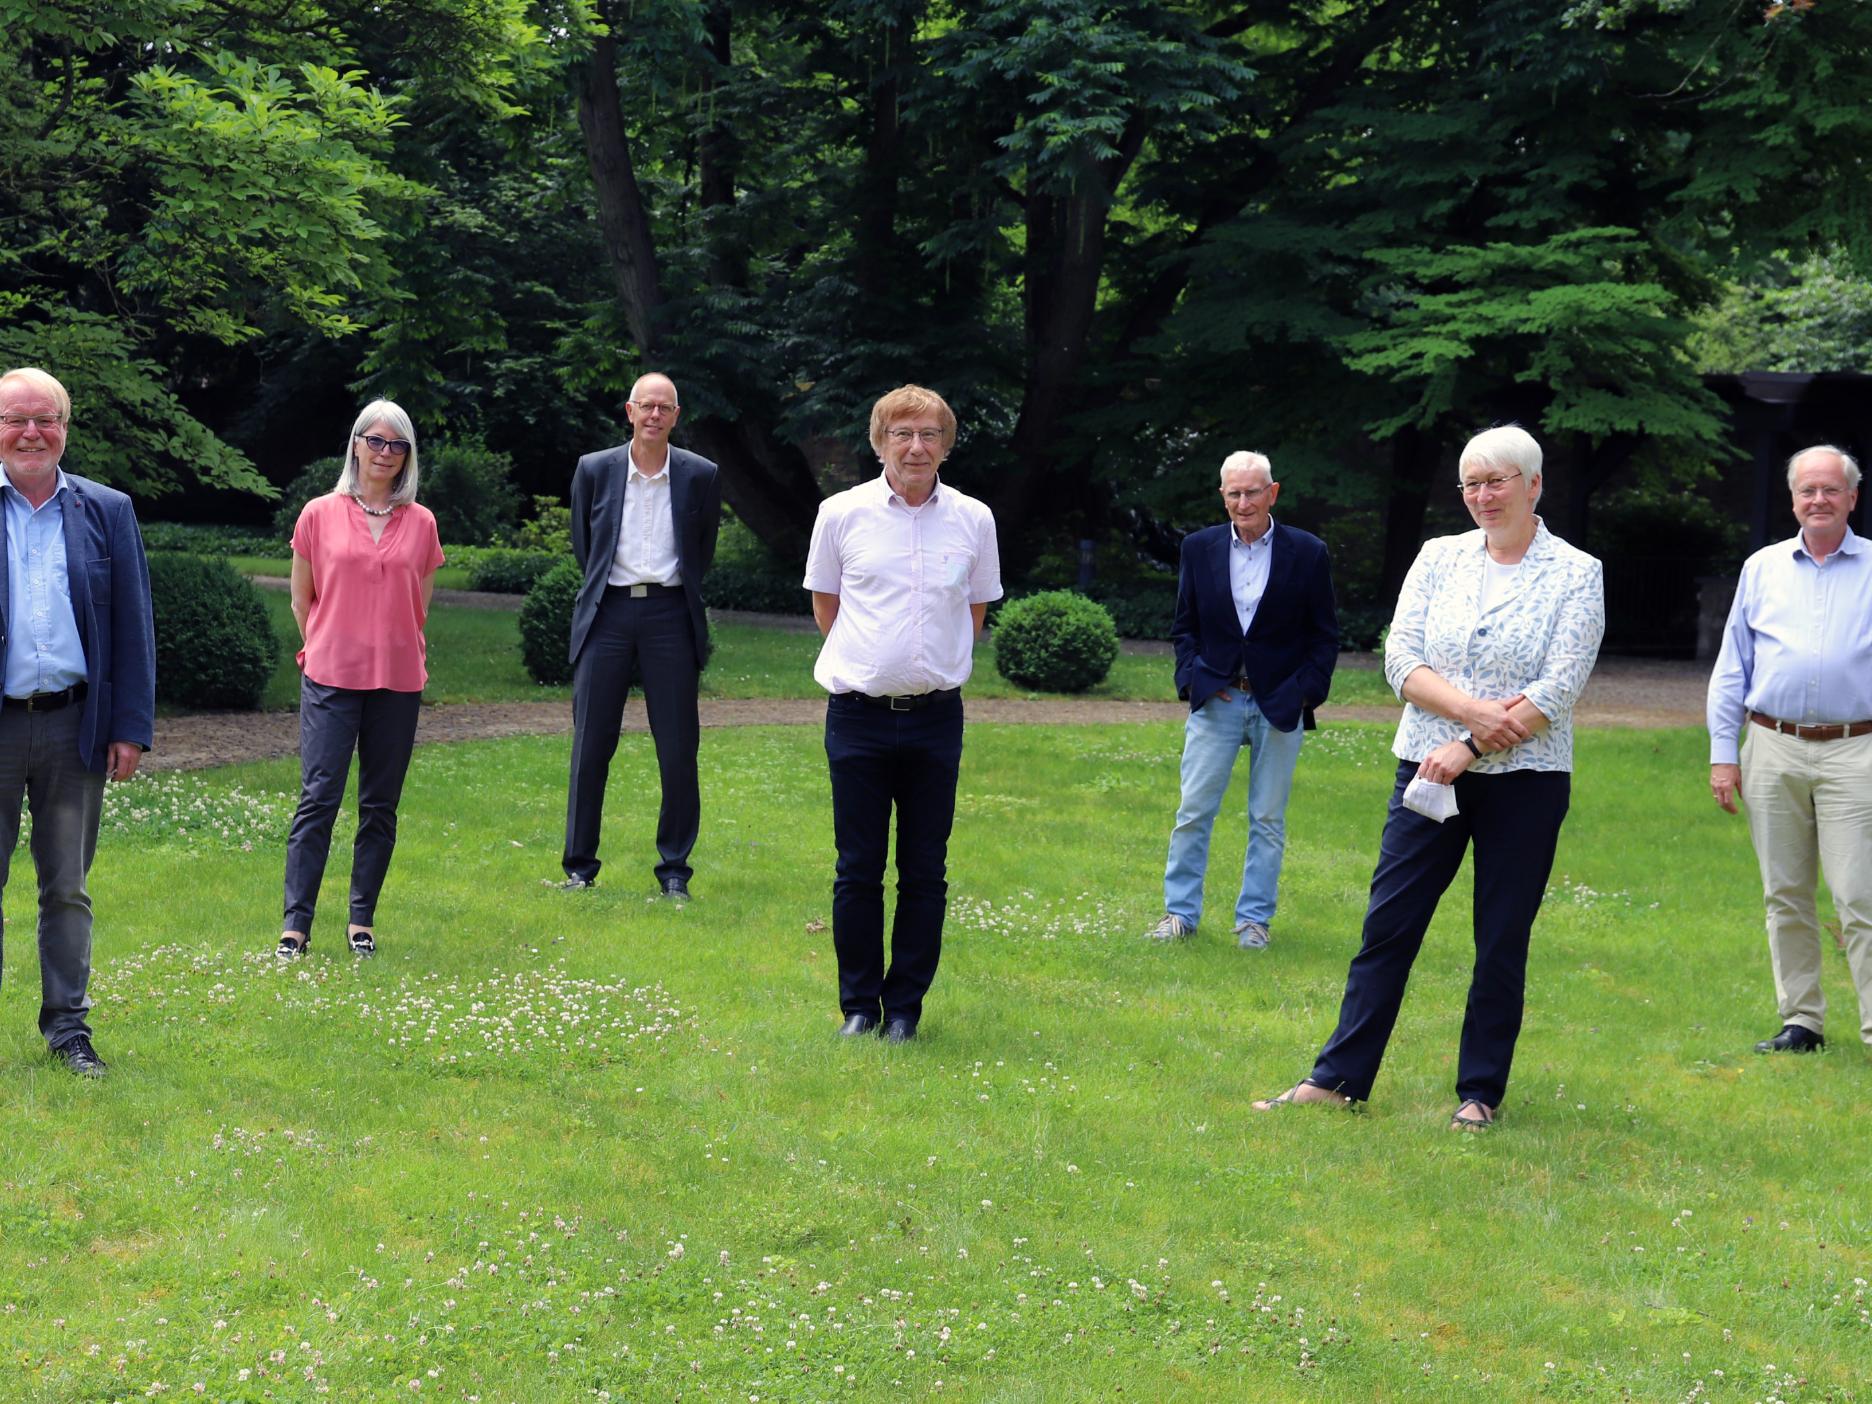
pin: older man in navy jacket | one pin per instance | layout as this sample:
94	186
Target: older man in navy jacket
79	658
1256	639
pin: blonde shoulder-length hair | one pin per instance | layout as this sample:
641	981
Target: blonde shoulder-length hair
403	491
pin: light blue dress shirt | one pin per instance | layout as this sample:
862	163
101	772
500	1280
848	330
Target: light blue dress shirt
43	650
1248	571
1798	644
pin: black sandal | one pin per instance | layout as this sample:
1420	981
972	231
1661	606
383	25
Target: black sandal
1459	1122
362	943
1286	1099
289	949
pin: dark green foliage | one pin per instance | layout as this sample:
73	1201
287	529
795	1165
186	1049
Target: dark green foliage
504	571
215	646
314	480
549	529
470	489
1143	611
1056	641
747	575
546	624
204	540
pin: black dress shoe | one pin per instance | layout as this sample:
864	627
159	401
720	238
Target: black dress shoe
898	1029
78	1055
1792	1039
676	889
857	1025
576	884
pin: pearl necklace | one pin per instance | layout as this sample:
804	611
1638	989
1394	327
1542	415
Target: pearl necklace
374	511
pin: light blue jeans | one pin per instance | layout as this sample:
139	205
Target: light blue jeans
1212	738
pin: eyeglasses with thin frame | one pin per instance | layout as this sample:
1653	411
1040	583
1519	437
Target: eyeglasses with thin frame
1472	487
1245	494
1809	491
922	436
650	407
41	422
397	447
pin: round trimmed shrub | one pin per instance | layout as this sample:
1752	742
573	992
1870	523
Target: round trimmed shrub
215	645
1056	641
546	624
501	570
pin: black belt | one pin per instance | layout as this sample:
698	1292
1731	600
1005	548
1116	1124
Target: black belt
49	701
638	592
911	702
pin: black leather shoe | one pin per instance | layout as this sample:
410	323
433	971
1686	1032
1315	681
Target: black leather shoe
1792	1039
857	1026
676	889
576	884
898	1029
78	1055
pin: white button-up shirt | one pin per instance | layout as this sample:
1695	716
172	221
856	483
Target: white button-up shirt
1538	638
905	577
646	544
1248	571
1798	644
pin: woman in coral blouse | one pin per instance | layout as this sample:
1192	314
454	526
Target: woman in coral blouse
363	569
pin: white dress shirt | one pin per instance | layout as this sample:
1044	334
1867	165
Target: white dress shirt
1248	571
1538	638
905	577
646	544
1798	644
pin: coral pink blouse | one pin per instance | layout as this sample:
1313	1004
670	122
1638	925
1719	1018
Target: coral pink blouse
365	628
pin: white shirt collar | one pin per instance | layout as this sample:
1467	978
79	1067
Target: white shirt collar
661	474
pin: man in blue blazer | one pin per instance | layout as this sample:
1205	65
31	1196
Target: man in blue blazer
1256	639
79	651
644	520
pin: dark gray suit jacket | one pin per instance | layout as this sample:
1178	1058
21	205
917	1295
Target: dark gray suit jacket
598	510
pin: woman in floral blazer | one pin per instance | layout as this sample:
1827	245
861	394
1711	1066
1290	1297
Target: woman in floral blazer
1495	634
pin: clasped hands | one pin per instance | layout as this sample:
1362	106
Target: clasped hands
1492	727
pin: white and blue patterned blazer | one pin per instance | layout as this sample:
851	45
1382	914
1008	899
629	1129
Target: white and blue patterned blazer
1539	640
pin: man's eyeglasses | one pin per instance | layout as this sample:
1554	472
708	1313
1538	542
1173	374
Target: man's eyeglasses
649	407
1810	492
396	447
41	422
1472	487
1245	494
922	436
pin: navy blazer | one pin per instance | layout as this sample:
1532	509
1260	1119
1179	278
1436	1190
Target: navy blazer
1292	644
598	511
110	597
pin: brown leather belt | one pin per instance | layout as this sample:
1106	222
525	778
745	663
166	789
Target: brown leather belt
1832	731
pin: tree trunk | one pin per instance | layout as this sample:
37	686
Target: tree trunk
622	219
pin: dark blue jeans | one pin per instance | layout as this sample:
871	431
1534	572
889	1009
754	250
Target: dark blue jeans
380	725
881	759
1513	819
39	762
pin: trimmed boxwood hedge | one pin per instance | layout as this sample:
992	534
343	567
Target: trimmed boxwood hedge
546	624
215	645
1055	641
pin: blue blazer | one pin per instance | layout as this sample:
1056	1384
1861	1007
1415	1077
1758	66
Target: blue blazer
598	486
110	597
1292	644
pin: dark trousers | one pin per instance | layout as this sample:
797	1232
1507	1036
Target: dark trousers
880	759
380	725
652	639
39	762
1514	821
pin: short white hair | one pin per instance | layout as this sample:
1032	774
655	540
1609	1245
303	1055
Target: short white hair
1505	447
1847	462
403	490
1247	458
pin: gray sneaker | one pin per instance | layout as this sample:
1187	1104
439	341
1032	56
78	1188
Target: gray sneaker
1251	935
1171	928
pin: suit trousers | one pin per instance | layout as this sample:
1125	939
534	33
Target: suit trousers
39	763
652	639
1513	819
1809	809
380	726
880	760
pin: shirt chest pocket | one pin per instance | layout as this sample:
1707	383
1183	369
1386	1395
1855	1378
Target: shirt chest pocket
954	567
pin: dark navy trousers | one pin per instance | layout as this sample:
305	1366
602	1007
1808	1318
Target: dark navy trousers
882	760
1513	819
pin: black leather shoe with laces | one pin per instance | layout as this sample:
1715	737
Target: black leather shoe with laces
78	1055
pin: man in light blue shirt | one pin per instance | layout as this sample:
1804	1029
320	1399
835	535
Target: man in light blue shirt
1795	674
77	655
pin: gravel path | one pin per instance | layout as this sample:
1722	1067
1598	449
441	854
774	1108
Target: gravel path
1623	692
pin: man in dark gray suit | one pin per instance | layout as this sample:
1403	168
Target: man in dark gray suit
644	519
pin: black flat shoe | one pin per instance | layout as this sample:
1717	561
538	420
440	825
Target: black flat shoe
857	1025
676	889
362	943
289	949
898	1029
78	1055
1792	1039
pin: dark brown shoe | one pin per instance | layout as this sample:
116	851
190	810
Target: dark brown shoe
1792	1039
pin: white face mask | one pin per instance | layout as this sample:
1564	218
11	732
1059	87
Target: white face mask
1431	800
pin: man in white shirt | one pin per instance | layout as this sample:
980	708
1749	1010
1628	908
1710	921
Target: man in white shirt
902	570
1795	674
644	521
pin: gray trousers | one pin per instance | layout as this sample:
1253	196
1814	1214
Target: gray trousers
380	725
39	762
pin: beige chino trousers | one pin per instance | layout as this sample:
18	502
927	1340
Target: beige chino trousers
1809	809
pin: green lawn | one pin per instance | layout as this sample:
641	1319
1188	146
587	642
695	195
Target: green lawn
474	656
588	1146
